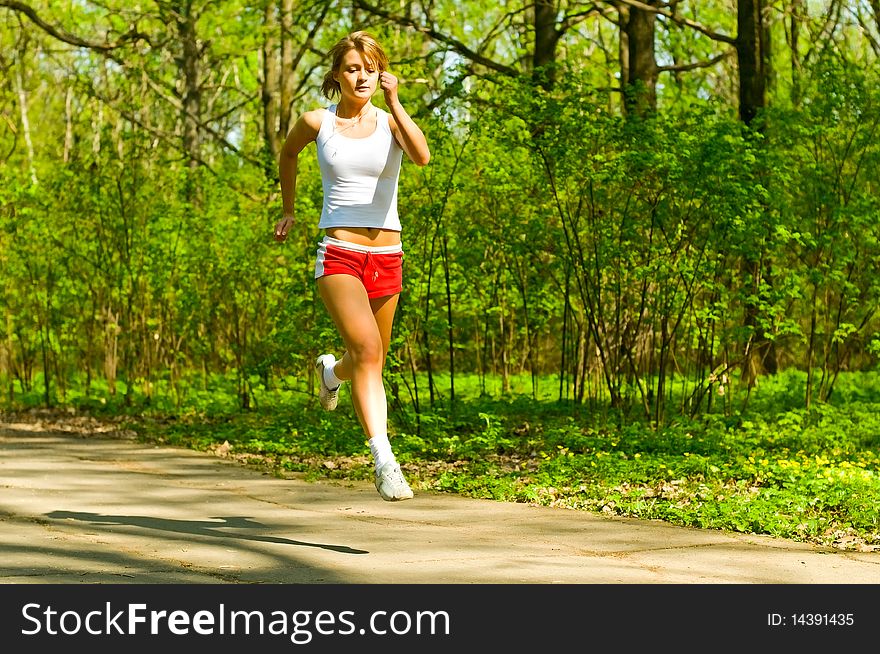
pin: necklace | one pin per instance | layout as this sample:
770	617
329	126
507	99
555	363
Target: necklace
354	120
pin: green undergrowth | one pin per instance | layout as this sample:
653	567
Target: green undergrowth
774	468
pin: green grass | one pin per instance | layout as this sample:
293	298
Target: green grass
767	466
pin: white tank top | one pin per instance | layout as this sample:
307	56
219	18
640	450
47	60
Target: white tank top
359	176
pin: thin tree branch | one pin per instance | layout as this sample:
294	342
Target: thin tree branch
680	20
131	36
454	44
697	64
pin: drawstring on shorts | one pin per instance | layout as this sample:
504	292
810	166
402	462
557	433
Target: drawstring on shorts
370	263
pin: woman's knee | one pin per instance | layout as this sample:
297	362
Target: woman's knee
368	353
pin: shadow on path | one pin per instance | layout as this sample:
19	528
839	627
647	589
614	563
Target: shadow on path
196	528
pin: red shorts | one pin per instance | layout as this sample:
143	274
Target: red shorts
380	269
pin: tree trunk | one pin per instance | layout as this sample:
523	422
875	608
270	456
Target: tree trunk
271	86
766	49
566	311
640	84
68	124
288	74
192	94
25	122
798	13
751	51
546	40
111	348
282	53
449	325
752	82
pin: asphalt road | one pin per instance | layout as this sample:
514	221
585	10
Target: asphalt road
98	509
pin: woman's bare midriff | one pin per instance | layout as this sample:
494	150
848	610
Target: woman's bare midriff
372	236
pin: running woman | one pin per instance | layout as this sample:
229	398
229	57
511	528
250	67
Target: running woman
359	260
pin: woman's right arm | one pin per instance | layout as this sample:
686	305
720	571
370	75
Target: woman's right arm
303	132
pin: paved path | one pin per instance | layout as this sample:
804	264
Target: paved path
112	510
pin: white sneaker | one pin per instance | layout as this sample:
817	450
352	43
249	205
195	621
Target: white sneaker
391	484
329	397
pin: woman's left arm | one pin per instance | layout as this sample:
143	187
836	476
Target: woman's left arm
408	135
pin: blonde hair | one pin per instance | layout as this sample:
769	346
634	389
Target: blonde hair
364	43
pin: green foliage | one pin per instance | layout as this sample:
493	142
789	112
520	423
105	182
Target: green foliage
549	235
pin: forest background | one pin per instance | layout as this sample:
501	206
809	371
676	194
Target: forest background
641	270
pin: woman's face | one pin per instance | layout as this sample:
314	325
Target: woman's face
357	77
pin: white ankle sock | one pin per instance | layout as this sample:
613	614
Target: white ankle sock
330	377
380	447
